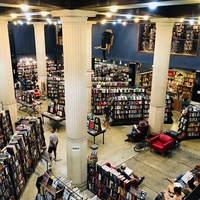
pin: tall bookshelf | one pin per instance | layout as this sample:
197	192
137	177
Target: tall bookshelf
108	80
55	79
6	129
130	109
27	70
190	122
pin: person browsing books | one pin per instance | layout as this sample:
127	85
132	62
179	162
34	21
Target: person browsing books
130	174
53	142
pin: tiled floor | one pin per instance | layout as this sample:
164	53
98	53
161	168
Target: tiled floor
115	150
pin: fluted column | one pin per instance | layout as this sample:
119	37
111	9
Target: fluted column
74	30
40	51
89	65
7	94
160	73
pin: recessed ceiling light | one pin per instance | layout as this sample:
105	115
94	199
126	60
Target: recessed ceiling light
119	20
191	21
108	15
198	21
24	7
114	22
20	22
44	13
103	21
153	5
113	8
146	17
128	16
13	15
124	23
136	19
181	20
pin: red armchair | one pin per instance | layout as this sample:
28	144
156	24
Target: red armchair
162	143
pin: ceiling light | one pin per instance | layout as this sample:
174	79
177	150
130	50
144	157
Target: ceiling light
113	8
108	15
13	15
181	20
114	22
24	7
103	21
55	23
153	5
191	21
124	23
198	21
119	21
128	16
146	17
20	22
44	13
136	19
15	23
59	22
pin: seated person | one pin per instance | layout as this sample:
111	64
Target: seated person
173	194
36	94
136	129
190	184
132	177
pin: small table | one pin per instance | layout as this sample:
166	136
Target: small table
53	117
29	106
96	133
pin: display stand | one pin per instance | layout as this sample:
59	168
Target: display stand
94	128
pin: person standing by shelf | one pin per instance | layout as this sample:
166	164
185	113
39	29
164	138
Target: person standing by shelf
185	101
106	113
53	143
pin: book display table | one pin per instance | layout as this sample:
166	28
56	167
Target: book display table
30	107
94	128
53	117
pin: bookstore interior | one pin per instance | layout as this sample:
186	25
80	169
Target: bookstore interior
128	92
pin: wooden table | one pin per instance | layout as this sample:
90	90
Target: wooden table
96	133
53	117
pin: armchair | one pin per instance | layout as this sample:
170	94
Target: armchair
162	143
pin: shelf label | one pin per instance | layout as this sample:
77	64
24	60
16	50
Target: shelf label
75	148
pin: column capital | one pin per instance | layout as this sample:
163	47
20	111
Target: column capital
4	19
73	16
164	21
38	24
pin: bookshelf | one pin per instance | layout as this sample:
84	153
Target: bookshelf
107	183
54	187
55	80
190	122
6	129
185	39
27	70
130	109
108	80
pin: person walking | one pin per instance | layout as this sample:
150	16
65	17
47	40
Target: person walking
53	142
106	113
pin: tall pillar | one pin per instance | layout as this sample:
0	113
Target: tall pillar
7	94
74	30
160	73
89	65
40	51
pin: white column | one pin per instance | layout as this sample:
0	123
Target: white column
160	73
74	29
89	65
40	52
7	95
